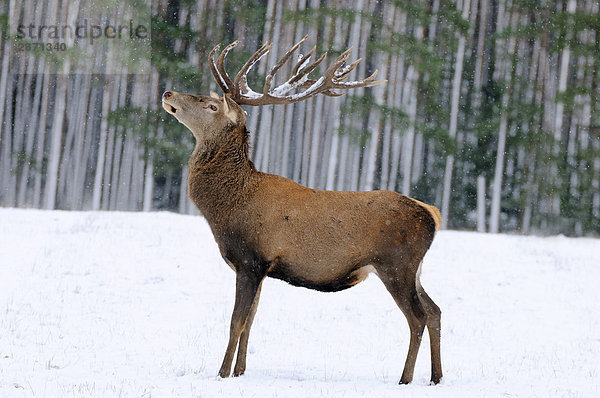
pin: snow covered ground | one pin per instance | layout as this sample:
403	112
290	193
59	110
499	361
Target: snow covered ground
138	305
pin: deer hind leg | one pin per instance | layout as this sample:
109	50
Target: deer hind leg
434	327
246	289
240	362
403	290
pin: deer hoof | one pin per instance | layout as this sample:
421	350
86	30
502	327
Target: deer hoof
237	373
224	373
435	380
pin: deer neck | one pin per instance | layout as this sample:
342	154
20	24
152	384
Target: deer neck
221	175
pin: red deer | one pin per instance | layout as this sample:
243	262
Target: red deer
268	225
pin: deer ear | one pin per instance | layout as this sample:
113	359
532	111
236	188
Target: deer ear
214	95
230	109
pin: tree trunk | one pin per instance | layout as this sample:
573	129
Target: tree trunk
454	102
499	168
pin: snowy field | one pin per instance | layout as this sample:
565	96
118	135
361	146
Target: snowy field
138	305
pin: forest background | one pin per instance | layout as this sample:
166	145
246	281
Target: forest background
490	110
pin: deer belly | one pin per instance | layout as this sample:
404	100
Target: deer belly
325	280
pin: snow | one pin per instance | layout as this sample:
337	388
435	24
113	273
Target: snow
283	89
309	90
342	71
107	304
247	91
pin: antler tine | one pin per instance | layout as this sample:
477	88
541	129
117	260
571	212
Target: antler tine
328	93
241	76
306	70
367	82
306	83
333	78
337	64
280	63
303	61
213	68
340	73
343	73
296	80
220	65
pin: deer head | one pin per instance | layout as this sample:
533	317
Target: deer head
211	117
206	117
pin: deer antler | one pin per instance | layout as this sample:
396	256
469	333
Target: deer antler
333	78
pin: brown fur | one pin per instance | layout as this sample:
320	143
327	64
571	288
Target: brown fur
267	225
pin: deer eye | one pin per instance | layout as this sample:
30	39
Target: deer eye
213	108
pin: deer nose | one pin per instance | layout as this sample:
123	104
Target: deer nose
167	95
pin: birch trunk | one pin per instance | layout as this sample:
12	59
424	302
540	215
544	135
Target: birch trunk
71	13
481	204
334	149
266	114
399	101
454	102
499	168
5	122
99	175
375	117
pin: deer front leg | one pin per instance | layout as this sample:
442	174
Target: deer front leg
240	362
246	288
